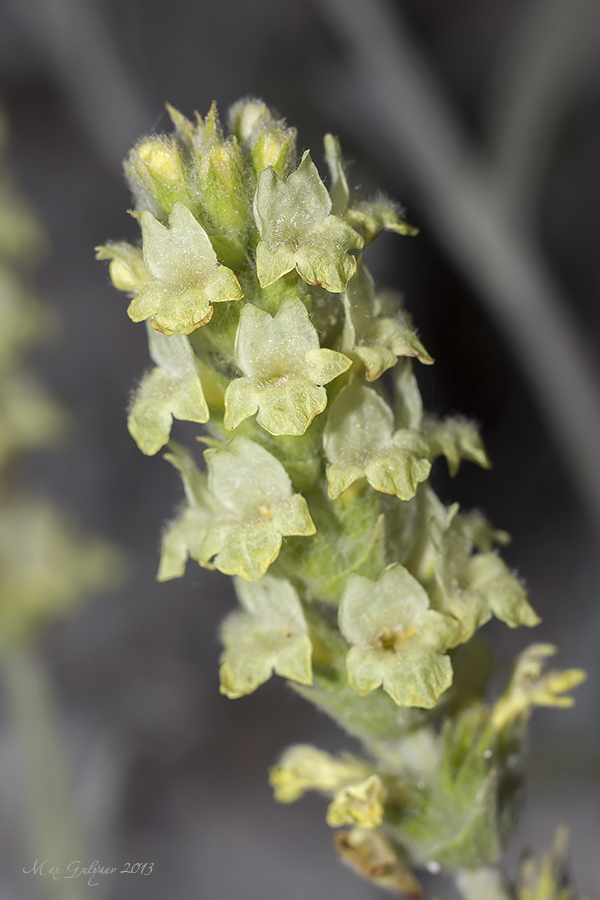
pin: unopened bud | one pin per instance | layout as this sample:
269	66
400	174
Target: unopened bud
247	118
155	166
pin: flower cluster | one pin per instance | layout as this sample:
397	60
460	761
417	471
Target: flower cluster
355	582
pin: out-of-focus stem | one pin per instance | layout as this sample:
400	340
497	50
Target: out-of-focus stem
50	819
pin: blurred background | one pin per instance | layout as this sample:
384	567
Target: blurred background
483	118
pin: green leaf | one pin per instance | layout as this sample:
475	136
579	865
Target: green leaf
456	822
185	275
397	640
284	370
270	634
298	232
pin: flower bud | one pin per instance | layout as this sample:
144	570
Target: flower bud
247	118
157	175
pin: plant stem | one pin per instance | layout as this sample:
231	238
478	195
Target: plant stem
50	818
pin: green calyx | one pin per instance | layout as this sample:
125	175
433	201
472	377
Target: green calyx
355	582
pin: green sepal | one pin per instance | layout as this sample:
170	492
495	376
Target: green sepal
269	635
157	176
408	409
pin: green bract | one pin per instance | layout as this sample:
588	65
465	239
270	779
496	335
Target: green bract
284	370
360	441
397	640
172	390
298	232
269	635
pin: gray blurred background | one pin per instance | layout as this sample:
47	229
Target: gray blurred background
483	118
